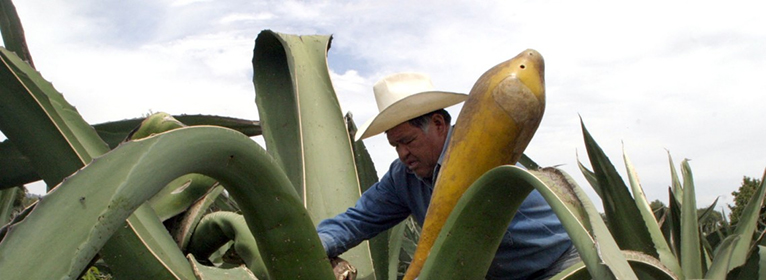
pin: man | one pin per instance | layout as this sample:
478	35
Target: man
412	115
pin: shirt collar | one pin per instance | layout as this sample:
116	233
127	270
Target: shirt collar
441	156
444	149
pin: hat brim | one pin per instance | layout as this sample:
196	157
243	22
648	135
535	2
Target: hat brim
408	108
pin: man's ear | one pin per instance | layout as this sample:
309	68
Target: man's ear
439	122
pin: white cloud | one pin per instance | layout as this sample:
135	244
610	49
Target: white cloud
245	17
177	3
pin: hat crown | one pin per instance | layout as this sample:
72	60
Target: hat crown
395	87
404	96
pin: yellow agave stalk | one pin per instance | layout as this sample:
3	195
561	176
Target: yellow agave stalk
495	125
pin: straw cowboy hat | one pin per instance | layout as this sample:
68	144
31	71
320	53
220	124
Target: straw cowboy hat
405	96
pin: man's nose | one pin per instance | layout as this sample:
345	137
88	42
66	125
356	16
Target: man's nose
403	152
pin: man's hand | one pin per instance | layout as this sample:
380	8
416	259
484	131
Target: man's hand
342	269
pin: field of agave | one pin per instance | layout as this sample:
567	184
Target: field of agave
194	197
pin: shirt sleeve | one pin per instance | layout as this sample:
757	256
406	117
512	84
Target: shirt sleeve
378	209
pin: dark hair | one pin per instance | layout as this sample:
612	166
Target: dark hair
424	121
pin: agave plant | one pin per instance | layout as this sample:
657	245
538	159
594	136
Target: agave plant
142	208
680	248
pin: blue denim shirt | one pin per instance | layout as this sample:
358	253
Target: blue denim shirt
534	239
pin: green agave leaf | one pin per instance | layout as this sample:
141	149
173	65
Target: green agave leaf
707	234
713	240
619	206
365	168
152	251
648	267
203	272
154	124
489	205
218	228
302	123
528	163
117	183
130	248
409	242
577	271
384	266
278	105
708	211
160	122
304	130
193	215
665	254
13	32
673	221
396	241
678	190
746	226
476	227
7	198
663	216
590	177
224	203
116	132
62	141
754	268
220	257
20	216
692	259
17	170
180	194
722	260
582	221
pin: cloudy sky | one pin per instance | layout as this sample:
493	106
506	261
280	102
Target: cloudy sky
684	77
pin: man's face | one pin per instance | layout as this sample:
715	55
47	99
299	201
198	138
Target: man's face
417	149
